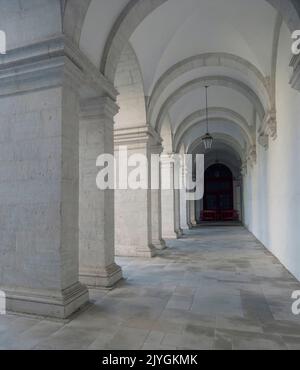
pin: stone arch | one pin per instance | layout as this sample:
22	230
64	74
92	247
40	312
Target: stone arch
133	14
215	134
227	139
74	12
129	19
214	113
225	162
129	83
209	60
223	81
167	136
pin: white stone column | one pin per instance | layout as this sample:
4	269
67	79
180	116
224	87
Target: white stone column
39	186
156	216
237	197
168	197
97	267
183	211
192	214
178	229
133	219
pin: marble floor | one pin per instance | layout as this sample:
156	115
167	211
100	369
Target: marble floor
217	288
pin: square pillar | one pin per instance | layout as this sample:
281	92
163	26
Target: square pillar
192	214
97	266
156	217
183	211
133	217
169	199
39	174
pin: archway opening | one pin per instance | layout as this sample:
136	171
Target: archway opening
218	201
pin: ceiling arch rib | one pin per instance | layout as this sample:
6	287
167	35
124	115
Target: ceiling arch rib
223	81
248	143
196	145
218	127
256	78
224	154
215	113
131	17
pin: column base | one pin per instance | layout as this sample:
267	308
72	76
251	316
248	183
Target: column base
46	303
159	244
171	236
179	233
128	251
104	278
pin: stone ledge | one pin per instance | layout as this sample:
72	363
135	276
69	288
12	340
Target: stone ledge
41	65
136	135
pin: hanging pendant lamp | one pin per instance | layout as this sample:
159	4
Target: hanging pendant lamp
207	139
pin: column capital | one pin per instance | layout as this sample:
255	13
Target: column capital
145	135
252	155
295	79
268	128
99	107
244	168
263	140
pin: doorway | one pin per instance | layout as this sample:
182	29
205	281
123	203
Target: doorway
218	202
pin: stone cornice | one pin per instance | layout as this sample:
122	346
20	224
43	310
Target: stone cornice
100	107
42	65
136	135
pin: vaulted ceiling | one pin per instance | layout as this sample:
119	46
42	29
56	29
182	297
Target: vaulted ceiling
183	45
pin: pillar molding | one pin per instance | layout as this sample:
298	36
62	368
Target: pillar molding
268	129
244	168
263	140
97	267
252	155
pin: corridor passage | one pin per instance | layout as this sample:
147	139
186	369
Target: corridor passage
217	288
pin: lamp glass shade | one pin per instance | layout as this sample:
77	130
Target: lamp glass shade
207	141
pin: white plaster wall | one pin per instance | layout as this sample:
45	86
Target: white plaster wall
272	187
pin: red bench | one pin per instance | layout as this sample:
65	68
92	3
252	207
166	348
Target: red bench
212	215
